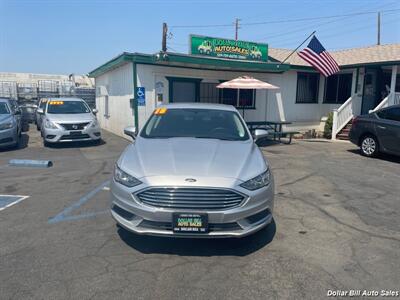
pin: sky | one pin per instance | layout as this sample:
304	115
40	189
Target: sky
76	36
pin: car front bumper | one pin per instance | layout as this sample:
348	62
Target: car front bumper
61	135
253	214
8	137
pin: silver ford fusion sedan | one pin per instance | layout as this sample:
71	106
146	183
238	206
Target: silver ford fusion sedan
67	120
193	171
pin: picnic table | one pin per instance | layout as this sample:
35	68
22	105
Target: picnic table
273	127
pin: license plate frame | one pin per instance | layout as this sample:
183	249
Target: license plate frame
190	223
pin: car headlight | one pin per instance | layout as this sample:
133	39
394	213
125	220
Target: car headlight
95	123
124	178
6	126
49	124
257	182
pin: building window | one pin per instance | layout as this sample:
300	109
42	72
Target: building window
247	98
307	87
338	88
209	93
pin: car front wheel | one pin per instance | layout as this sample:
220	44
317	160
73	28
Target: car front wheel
369	146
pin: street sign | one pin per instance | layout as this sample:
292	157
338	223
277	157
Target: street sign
141	95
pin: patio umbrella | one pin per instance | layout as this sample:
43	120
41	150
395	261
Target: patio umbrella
246	82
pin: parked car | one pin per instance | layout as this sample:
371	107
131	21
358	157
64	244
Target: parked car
10	124
39	116
28	109
68	120
16	110
193	171
377	132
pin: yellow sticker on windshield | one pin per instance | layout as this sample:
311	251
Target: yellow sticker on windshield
160	111
56	102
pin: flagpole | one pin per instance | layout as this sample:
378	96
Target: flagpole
298	47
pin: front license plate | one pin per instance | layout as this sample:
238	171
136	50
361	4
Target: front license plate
190	223
75	132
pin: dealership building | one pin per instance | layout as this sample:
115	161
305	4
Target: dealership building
130	86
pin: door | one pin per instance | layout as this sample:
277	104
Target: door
370	91
388	129
183	89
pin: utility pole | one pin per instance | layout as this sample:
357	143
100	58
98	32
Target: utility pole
379	29
164	37
236	28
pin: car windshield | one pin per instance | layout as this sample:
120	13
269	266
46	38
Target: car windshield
196	123
67	107
4	109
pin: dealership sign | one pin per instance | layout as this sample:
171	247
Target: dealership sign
224	48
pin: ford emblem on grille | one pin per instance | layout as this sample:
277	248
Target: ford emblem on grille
190	180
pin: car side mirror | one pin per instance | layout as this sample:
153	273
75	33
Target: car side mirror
40	111
95	110
17	112
260	133
131	131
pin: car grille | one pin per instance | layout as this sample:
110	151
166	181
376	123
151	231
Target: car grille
191	198
74	126
75	137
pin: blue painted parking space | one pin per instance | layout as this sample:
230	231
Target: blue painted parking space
10	200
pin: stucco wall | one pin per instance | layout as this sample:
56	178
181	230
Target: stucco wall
119	86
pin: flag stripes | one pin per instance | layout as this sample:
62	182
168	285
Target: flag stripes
316	55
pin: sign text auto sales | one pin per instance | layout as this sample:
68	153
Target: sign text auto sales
227	48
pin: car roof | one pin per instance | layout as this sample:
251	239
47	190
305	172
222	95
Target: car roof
4	100
191	105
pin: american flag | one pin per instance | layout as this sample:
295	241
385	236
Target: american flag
316	55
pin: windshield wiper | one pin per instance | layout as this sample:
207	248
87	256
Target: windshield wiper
214	138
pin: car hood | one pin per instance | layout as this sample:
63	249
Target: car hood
5	118
70	118
192	157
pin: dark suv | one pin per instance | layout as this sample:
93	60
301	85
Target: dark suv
377	132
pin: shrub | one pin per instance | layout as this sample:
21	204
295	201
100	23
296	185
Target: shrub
328	126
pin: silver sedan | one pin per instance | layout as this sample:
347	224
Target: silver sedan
193	171
68	120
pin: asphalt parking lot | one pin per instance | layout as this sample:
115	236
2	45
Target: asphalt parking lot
336	227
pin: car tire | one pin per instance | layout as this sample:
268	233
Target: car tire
369	146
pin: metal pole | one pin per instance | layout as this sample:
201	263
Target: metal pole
236	28
298	47
379	29
164	37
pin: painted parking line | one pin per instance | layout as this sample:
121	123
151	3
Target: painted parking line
65	215
10	200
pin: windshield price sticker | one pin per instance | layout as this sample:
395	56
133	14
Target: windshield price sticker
160	111
56	102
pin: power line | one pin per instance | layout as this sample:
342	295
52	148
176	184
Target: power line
303	28
283	21
316	18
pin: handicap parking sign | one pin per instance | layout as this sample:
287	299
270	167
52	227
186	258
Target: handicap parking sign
141	96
